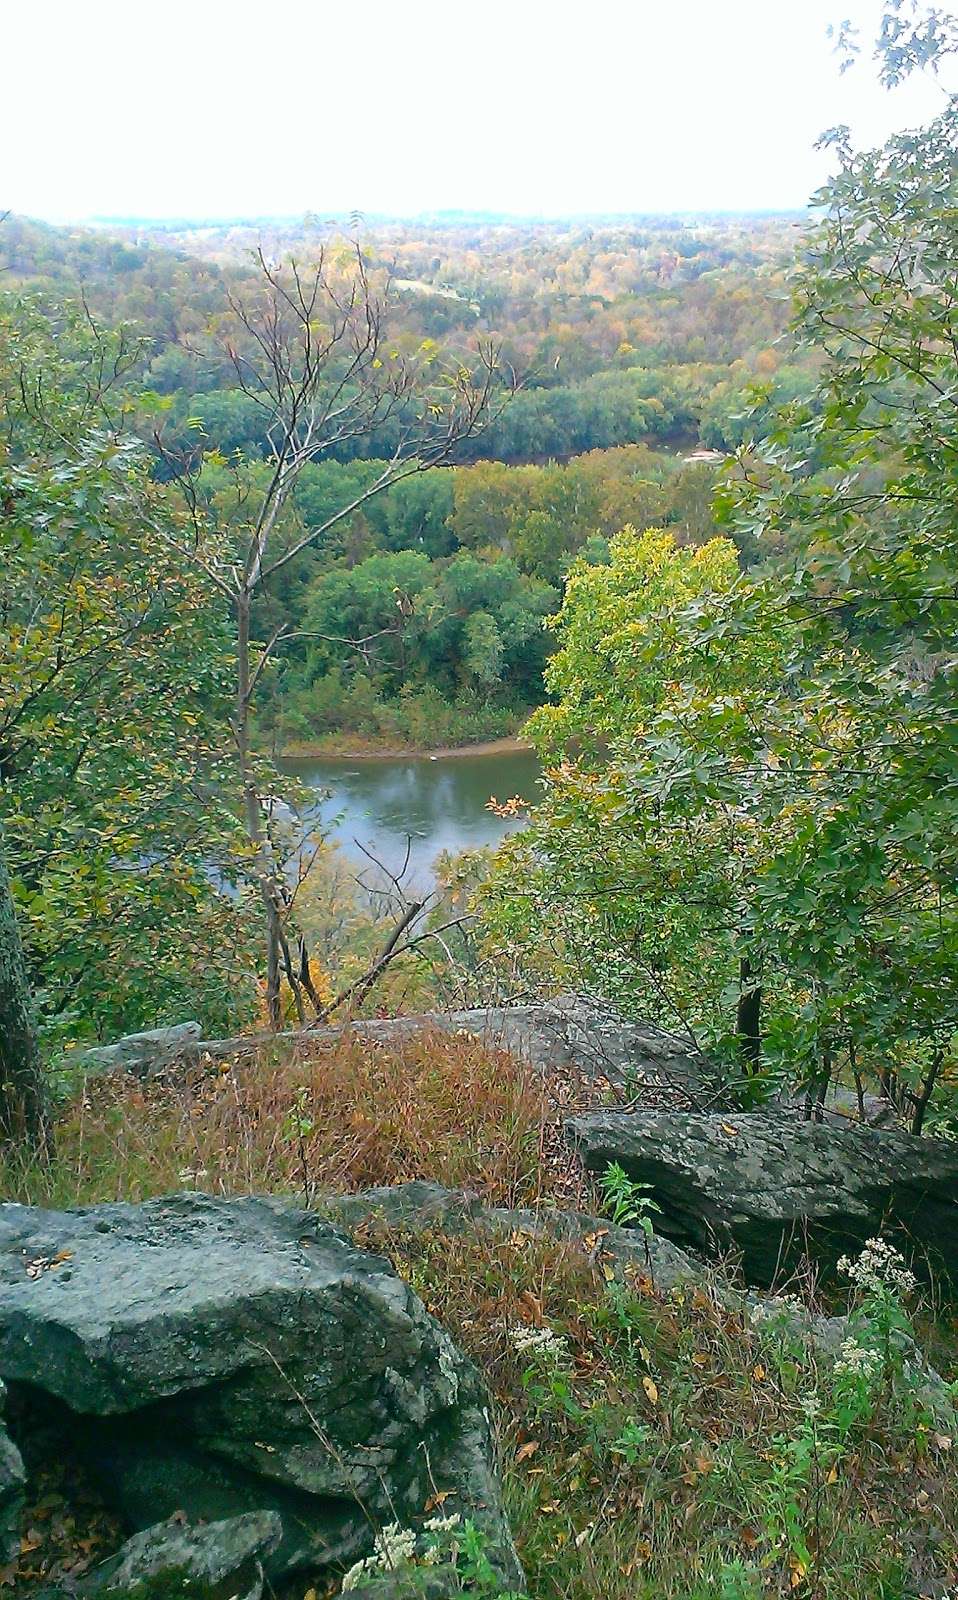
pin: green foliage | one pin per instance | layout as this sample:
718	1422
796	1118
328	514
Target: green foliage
750	826
416	650
670	1445
628	1203
112	682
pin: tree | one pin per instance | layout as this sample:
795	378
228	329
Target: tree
753	810
124	858
22	1095
311	350
635	876
860	483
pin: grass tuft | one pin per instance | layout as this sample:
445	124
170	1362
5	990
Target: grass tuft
348	1115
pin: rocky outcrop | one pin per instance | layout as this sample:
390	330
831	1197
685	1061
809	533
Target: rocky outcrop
572	1034
224	1557
140	1053
775	1188
226	1357
418	1207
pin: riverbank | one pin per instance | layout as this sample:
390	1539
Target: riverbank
355	748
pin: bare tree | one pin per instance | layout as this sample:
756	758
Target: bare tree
311	348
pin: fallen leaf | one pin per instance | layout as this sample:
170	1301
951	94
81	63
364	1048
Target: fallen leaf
652	1392
726	1127
533	1305
526	1450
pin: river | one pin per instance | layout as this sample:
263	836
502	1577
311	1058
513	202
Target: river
435	804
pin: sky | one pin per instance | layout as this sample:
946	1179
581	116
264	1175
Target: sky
223	108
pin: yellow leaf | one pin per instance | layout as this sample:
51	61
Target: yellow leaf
651	1390
759	1373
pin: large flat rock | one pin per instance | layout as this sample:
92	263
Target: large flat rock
775	1188
573	1035
222	1357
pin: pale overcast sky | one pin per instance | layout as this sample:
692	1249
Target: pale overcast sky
213	108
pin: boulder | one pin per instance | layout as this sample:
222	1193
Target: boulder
220	1357
12	1485
573	1035
196	1559
141	1053
418	1207
776	1188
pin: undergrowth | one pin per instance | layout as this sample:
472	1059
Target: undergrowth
347	1116
655	1445
659	1446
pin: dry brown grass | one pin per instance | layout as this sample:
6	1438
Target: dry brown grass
346	1116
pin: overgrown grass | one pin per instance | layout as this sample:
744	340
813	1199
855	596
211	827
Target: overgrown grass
346	1116
664	1448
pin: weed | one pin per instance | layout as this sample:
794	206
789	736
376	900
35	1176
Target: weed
628	1203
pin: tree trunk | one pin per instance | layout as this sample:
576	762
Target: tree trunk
22	1090
748	1021
270	890
927	1089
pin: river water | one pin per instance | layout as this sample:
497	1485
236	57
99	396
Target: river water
434	804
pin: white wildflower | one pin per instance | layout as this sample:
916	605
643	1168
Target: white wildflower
443	1524
393	1547
858	1360
544	1342
879	1268
772	1306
